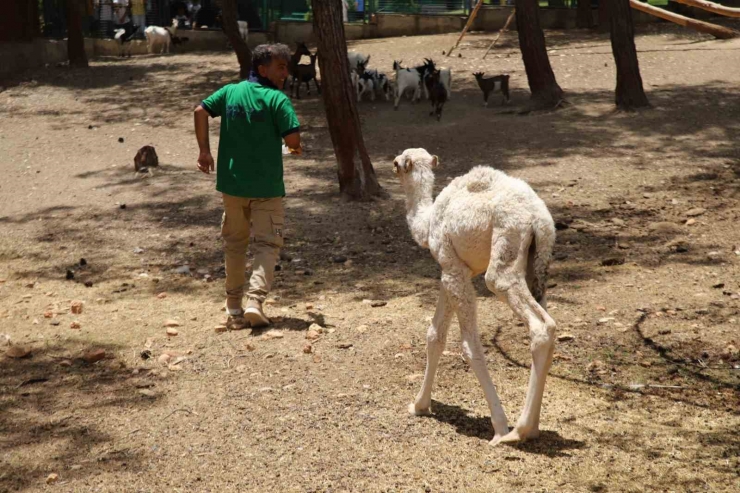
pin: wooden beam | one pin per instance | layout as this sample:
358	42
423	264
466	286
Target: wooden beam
506	26
467	25
712	7
719	32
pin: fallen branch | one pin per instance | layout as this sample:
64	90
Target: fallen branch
506	26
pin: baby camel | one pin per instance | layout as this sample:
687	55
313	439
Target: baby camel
484	221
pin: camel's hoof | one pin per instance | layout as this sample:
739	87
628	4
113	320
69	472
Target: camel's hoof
515	435
419	411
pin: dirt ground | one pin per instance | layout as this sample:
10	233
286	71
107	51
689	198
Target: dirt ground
643	394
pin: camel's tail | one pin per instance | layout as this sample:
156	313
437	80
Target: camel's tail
538	261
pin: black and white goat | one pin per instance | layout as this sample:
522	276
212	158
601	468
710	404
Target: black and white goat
445	77
123	37
437	93
305	73
493	84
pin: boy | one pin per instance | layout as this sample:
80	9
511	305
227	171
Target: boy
256	118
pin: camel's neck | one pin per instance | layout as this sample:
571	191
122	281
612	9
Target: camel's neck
419	204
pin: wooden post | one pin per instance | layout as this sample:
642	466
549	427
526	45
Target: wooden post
506	26
467	25
719	32
712	7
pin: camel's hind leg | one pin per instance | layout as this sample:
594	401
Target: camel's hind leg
506	276
459	287
436	339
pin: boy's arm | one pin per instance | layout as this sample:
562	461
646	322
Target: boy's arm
205	159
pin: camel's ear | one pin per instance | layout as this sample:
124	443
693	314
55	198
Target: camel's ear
435	162
407	165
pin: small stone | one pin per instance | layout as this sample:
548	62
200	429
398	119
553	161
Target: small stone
18	352
52	478
719	285
609	262
122	206
94	356
88	284
377	304
145	354
596	366
120	140
76	307
75	325
646	364
696	211
565	337
361	329
70	274
312	334
220	328
250	347
309	306
172	332
55	323
171	323
344	345
339	259
147	393
665	228
617	221
162	296
316	358
605	320
307	349
561	357
48	314
272	334
690	222
601	308
269	356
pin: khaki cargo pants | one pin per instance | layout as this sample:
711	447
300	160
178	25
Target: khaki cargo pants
263	220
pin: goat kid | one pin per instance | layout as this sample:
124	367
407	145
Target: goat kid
493	84
305	73
406	80
123	38
445	77
300	50
156	36
437	94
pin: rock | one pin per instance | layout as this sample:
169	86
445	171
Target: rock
665	228
120	140
696	211
309	306
344	345
18	352
605	320
339	259
52	478
172	332
250	347
690	222
54	323
161	296
48	314
94	356
76	307
560	225
596	366
122	206
272	334
145	158
308	349
75	325
719	285
4	340
312	334
183	269
612	261
82	262
617	221
565	337
714	255
316	358
171	323
70	274
88	284
148	393
730	352
361	329
220	328
145	354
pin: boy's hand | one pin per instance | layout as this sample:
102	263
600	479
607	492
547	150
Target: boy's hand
297	151
205	162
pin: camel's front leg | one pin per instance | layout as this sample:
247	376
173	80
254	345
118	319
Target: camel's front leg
436	339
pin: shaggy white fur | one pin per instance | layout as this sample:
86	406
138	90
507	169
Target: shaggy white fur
484	221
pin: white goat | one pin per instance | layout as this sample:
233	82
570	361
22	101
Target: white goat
243	30
406	79
357	58
123	38
160	36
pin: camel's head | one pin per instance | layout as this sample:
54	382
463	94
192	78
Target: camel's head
414	162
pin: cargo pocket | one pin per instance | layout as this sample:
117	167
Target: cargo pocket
278	223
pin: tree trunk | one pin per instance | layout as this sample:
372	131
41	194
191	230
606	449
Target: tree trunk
231	28
585	16
75	39
357	180
546	93
604	15
629	93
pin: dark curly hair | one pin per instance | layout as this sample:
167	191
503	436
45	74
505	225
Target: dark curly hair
263	54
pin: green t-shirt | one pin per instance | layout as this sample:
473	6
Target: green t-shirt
254	119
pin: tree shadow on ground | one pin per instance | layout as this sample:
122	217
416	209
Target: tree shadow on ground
53	406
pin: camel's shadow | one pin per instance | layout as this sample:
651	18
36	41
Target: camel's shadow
550	443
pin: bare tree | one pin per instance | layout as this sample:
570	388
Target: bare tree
629	93
546	93
229	15
75	39
357	180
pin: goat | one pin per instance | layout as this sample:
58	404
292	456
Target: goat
305	73
365	84
381	83
493	84
300	50
406	79
445	77
355	58
156	35
437	94
123	38
243	30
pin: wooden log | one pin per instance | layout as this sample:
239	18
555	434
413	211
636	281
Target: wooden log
467	25
712	7
719	32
